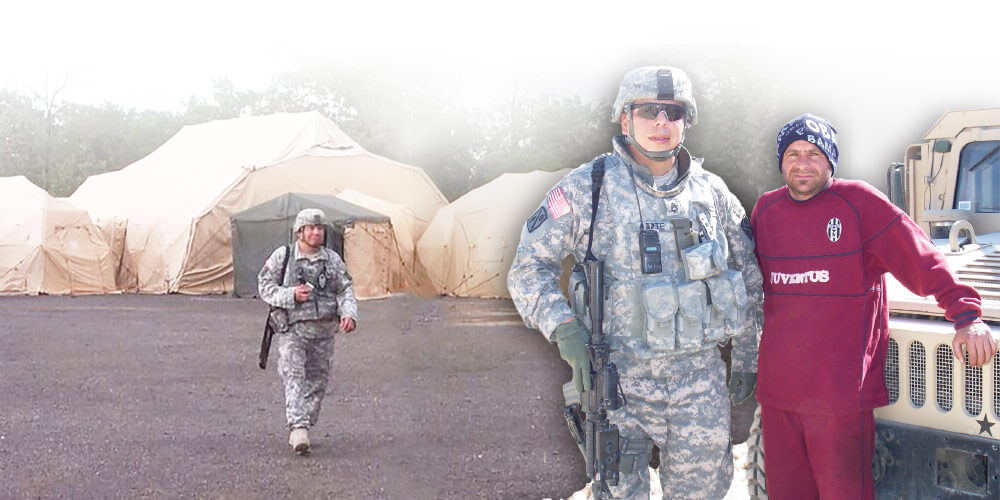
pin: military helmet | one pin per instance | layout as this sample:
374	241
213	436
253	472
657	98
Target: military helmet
656	82
308	217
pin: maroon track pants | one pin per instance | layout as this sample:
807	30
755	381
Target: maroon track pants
826	457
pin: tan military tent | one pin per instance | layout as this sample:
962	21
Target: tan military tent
409	274
468	247
47	245
363	238
174	205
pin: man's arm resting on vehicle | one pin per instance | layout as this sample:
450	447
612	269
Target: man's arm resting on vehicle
978	341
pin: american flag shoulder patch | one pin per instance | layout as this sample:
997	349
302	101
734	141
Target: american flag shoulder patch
558	206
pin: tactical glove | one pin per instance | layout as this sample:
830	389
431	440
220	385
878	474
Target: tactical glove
572	343
742	385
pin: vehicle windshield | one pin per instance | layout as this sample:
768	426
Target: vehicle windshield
979	177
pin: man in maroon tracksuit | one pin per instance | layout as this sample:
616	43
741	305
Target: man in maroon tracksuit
823	245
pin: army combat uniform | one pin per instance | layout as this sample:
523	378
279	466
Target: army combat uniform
305	330
663	328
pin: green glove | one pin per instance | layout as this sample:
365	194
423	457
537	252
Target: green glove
742	385
572	343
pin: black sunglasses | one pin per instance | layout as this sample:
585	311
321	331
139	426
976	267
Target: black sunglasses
650	110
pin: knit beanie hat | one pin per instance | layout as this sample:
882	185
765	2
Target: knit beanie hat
813	129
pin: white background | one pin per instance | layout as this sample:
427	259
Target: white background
882	73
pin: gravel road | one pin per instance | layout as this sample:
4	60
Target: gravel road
141	396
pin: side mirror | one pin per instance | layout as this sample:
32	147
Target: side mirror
897	185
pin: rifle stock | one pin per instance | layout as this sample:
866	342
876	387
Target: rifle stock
265	343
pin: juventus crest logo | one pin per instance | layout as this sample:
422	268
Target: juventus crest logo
833	229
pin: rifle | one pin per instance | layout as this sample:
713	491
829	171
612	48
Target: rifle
265	342
597	438
602	449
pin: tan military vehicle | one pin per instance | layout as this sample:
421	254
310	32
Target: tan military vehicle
938	437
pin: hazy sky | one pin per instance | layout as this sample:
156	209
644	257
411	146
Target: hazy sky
881	75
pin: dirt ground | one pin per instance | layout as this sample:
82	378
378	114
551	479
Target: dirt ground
139	396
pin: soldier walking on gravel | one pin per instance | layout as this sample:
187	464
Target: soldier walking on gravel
679	277
313	300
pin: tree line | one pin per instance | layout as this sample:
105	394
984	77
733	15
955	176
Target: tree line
410	118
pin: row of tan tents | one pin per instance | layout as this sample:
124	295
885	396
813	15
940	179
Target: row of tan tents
201	213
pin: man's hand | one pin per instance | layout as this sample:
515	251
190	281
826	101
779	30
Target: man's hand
742	385
978	341
347	325
572	343
302	292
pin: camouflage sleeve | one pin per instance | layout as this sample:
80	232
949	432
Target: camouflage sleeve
547	238
741	256
347	303
268	287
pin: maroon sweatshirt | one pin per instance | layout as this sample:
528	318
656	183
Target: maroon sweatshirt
826	331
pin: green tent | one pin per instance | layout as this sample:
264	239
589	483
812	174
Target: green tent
258	230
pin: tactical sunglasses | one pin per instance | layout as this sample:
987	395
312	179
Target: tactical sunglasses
650	110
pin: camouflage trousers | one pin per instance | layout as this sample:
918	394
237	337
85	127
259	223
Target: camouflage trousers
305	354
686	414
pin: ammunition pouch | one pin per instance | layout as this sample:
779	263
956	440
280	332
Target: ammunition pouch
703	260
675	315
728	295
659	302
327	308
636	455
692	301
658	315
278	319
321	308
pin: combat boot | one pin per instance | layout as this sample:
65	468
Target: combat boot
298	439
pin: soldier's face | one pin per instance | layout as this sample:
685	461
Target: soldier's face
658	133
312	235
805	169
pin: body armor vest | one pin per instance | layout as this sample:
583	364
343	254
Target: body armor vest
322	302
695	301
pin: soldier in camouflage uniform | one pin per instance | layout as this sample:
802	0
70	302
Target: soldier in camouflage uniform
314	300
663	327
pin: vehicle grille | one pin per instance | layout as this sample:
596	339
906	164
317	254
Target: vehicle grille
943	369
996	390
892	371
926	387
973	389
943	376
918	374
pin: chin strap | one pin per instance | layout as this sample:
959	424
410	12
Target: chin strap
652	155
